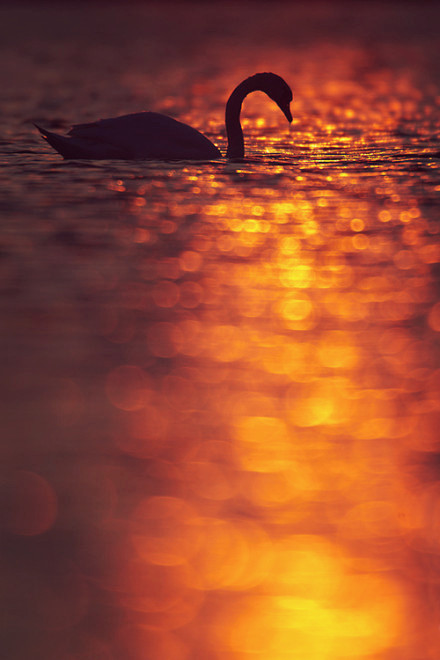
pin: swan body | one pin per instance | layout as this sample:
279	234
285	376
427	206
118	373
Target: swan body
153	136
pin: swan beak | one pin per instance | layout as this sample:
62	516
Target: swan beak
287	113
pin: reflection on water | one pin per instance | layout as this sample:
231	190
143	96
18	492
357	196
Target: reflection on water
221	379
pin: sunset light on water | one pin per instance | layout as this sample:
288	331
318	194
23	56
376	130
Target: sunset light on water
221	378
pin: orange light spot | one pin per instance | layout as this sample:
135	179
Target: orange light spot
434	317
230	556
225	343
166	294
263	444
360	242
128	387
295	307
321	402
142	235
145	432
168	227
164	339
191	294
192	340
279	357
190	261
429	254
404	259
357	224
336	350
297	275
29	504
384	216
209	481
371	519
165	531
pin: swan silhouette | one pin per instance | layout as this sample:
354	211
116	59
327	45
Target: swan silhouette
150	135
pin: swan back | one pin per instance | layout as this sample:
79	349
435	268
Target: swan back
148	135
141	135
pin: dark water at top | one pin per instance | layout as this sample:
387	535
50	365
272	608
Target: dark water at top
220	380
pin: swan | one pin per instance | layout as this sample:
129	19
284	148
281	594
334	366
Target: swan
150	135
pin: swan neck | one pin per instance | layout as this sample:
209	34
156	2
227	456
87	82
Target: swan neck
232	119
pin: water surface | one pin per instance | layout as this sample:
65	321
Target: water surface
221	380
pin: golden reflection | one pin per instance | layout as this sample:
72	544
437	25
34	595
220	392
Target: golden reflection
286	386
287	408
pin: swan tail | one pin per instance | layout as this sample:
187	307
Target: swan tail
77	148
60	143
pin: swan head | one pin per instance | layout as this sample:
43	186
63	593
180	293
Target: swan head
277	89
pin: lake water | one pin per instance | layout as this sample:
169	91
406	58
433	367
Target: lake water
221	381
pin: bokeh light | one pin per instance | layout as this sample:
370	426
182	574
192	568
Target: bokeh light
221	382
